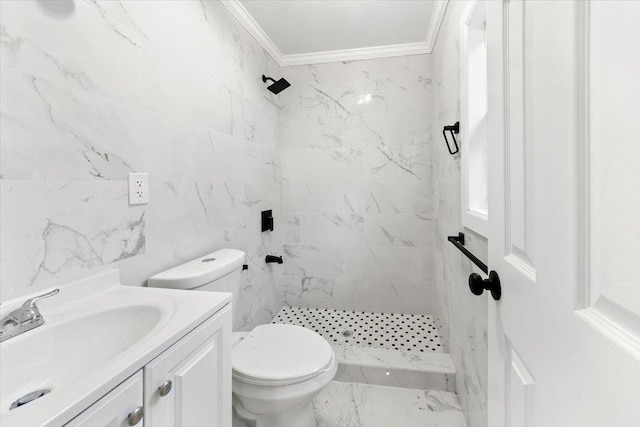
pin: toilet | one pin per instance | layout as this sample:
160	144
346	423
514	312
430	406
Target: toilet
277	369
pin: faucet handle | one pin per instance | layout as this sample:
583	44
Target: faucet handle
31	302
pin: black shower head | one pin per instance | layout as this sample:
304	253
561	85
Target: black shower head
277	86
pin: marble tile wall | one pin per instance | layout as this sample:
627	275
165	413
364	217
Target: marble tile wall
350	158
356	185
461	316
93	90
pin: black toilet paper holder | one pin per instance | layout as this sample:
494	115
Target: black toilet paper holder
454	130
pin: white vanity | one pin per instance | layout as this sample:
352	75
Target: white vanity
118	355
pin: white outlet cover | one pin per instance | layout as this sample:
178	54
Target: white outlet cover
138	188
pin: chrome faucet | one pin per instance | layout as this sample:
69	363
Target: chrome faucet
24	318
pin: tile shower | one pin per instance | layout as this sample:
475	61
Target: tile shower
343	157
355	150
404	332
356	155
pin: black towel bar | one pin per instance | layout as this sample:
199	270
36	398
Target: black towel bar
458	242
477	284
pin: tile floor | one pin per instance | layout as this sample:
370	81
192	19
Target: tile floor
363	405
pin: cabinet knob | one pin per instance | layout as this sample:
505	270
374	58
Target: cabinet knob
136	416
165	388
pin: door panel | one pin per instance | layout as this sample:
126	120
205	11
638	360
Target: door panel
611	286
199	369
195	395
519	183
547	365
520	383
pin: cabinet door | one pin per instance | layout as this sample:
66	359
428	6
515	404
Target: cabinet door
113	409
198	369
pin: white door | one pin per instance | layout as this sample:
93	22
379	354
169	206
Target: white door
564	197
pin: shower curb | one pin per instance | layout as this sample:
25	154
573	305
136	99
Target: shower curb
394	368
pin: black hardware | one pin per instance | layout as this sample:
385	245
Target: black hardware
458	242
272	258
245	267
277	86
477	284
267	221
454	129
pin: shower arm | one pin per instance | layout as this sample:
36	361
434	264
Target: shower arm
265	78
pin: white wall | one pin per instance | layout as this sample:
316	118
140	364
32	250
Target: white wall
356	185
91	92
462	316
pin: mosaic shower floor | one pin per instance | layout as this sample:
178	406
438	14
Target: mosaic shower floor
405	332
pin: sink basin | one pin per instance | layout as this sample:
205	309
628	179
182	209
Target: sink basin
96	334
48	357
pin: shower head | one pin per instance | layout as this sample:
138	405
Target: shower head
277	86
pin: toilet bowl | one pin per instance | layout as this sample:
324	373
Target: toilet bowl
277	369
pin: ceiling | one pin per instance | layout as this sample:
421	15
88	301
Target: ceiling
297	32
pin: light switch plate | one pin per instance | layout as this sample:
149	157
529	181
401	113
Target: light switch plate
138	188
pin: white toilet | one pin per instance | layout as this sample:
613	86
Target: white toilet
277	369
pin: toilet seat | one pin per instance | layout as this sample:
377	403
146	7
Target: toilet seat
278	354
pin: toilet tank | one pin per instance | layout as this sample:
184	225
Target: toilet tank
215	272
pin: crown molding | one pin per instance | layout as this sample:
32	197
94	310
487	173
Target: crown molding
355	54
419	48
437	16
244	17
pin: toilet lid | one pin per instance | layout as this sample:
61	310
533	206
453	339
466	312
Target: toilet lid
277	354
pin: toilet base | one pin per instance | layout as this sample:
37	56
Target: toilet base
285	405
295	417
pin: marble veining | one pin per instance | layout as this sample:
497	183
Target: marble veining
396	368
461	316
107	88
355	147
363	199
394	359
344	404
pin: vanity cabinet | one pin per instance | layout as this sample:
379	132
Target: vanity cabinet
190	383
117	408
